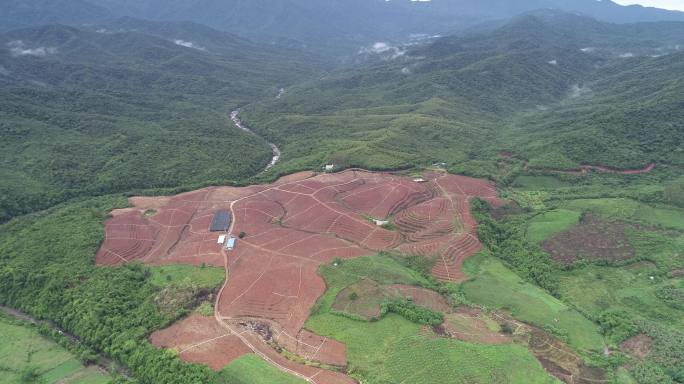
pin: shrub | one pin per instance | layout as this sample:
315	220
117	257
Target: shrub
412	312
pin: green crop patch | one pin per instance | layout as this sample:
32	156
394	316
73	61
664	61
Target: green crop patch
495	286
547	224
200	276
24	350
394	349
631	210
252	369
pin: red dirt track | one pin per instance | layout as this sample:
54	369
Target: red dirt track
292	227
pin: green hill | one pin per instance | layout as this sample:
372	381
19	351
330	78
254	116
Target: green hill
85	113
557	89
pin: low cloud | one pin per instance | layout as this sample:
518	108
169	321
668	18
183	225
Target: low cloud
4	71
189	44
18	48
626	55
382	48
578	91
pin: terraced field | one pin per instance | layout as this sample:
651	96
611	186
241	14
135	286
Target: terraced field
287	230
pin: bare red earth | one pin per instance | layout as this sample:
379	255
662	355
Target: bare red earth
291	227
200	339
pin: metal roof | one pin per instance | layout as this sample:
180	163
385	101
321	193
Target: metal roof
221	221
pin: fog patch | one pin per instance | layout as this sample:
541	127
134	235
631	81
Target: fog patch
188	44
18	48
383	49
577	91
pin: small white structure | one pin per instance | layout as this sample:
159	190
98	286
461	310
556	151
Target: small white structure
419	180
380	223
329	167
221	239
231	244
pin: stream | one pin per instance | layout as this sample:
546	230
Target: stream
235	117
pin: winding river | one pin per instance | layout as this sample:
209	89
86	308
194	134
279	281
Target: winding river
235	117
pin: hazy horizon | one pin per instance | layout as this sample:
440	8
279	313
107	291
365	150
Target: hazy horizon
677	5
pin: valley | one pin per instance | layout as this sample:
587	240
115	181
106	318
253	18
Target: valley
341	191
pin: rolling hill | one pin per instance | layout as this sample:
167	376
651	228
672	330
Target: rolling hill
88	113
338	27
464	99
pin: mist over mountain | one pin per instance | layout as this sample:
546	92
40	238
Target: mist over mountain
89	106
338	26
404	191
469	94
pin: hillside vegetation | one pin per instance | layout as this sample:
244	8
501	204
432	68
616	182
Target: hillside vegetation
554	89
85	113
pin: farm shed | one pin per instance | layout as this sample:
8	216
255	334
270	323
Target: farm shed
221	221
231	244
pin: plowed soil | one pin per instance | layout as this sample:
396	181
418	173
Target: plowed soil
293	226
593	239
638	346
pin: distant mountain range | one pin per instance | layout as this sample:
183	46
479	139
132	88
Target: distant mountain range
338	26
557	89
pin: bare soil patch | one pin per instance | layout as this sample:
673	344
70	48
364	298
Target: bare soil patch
593	239
556	357
420	296
365	298
474	326
292	227
677	272
638	346
200	339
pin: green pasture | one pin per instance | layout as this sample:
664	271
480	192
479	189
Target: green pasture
495	286
28	357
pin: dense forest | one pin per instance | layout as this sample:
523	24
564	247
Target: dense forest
557	96
112	107
89	115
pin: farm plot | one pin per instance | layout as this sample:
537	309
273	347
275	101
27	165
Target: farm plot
287	230
593	239
24	353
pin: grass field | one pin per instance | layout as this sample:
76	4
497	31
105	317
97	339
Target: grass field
395	350
595	289
631	210
23	350
251	369
495	286
547	224
202	277
381	269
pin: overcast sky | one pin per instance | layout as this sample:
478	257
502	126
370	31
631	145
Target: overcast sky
667	4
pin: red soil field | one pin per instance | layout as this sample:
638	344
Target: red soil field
291	227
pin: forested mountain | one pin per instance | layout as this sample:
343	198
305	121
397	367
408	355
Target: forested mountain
334	26
86	113
465	99
21	13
